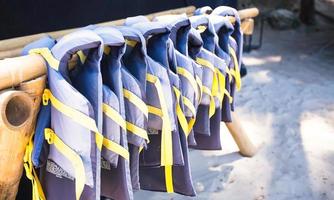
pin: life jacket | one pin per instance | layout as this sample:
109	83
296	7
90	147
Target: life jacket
223	28
37	149
157	161
72	170
115	182
186	68
235	47
205	58
134	70
218	68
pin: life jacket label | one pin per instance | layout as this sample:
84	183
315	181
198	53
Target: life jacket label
53	168
152	131
105	164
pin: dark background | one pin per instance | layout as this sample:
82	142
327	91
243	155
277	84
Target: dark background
25	17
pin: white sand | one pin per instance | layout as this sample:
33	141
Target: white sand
287	106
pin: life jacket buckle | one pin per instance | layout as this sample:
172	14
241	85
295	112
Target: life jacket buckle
49	135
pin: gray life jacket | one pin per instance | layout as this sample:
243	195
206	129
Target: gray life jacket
115	182
135	69
72	170
156	154
234	48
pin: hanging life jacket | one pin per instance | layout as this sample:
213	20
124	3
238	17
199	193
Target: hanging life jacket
37	149
205	58
134	70
164	149
186	68
115	182
235	47
72	170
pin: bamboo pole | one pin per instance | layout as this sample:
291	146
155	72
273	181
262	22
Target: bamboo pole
15	127
240	136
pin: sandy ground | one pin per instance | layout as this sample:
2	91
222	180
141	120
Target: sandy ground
287	106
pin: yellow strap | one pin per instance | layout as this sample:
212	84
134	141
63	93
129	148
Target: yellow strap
166	134
47	55
75	115
189	105
82	57
135	100
37	190
200	87
131	43
230	98
186	74
106	50
205	63
84	121
137	130
72	156
154	110
169	178
180	115
201	28
214	88
114	115
114	147
236	71
221	81
212	109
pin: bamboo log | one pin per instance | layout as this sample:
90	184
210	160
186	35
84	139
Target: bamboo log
14	71
16	117
246	147
248	13
247	26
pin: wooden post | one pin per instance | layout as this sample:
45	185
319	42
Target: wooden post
246	147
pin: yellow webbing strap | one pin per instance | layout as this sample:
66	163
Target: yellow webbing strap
212	109
221	81
37	190
189	105
135	100
154	110
72	156
82	57
214	88
86	122
166	135
131	43
106	50
180	115
230	98
235	71
201	28
137	130
114	115
186	74
200	87
205	63
47	55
